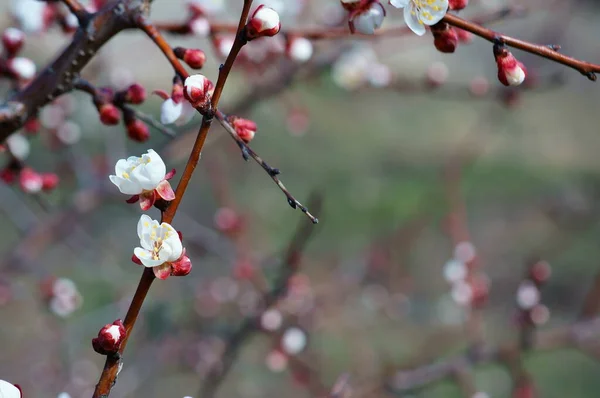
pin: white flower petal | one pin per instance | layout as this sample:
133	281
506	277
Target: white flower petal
399	3
8	390
170	111
187	114
145	257
126	187
412	21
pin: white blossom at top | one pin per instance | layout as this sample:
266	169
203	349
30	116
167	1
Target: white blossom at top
294	340
135	175
8	390
418	13
29	14
159	243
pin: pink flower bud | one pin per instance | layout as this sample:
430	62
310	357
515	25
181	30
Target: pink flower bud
12	40
181	267
109	338
540	272
109	114
193	57
135	94
138	130
49	181
457	4
30	181
445	38
264	22
197	89
245	129
464	36
511	72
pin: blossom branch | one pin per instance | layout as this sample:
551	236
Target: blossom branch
272	172
549	52
78	10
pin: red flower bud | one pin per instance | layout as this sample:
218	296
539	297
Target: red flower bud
49	181
457	4
511	72
197	89
137	130
181	267
445	38
193	57
135	94
464	36
540	272
12	41
109	338
109	114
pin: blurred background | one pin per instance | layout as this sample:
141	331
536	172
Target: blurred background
446	201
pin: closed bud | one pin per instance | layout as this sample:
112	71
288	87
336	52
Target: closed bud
445	37
49	181
109	338
137	130
30	181
22	68
245	129
368	19
193	57
464	36
181	267
511	72
456	5
135	94
12	41
109	114
197	89
264	22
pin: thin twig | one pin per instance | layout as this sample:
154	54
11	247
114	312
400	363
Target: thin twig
272	172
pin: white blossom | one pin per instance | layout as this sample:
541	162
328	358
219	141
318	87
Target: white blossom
528	295
179	113
294	340
159	243
135	175
18	145
418	13
9	390
29	14
300	49
23	67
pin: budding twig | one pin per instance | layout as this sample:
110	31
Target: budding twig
272	172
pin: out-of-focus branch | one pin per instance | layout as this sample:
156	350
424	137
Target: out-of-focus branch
250	325
562	337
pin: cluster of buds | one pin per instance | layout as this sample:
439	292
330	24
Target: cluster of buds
20	69
528	296
111	104
469	288
365	16
29	180
511	72
62	296
109	338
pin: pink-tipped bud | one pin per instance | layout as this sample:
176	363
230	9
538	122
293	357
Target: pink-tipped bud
264	22
109	114
49	181
135	94
193	57
511	72
197	89
30	181
464	36
109	338
22	68
137	130
12	41
445	38
245	129
456	5
540	272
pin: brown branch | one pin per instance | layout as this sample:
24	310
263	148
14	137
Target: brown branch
57	78
250	325
549	52
78	10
